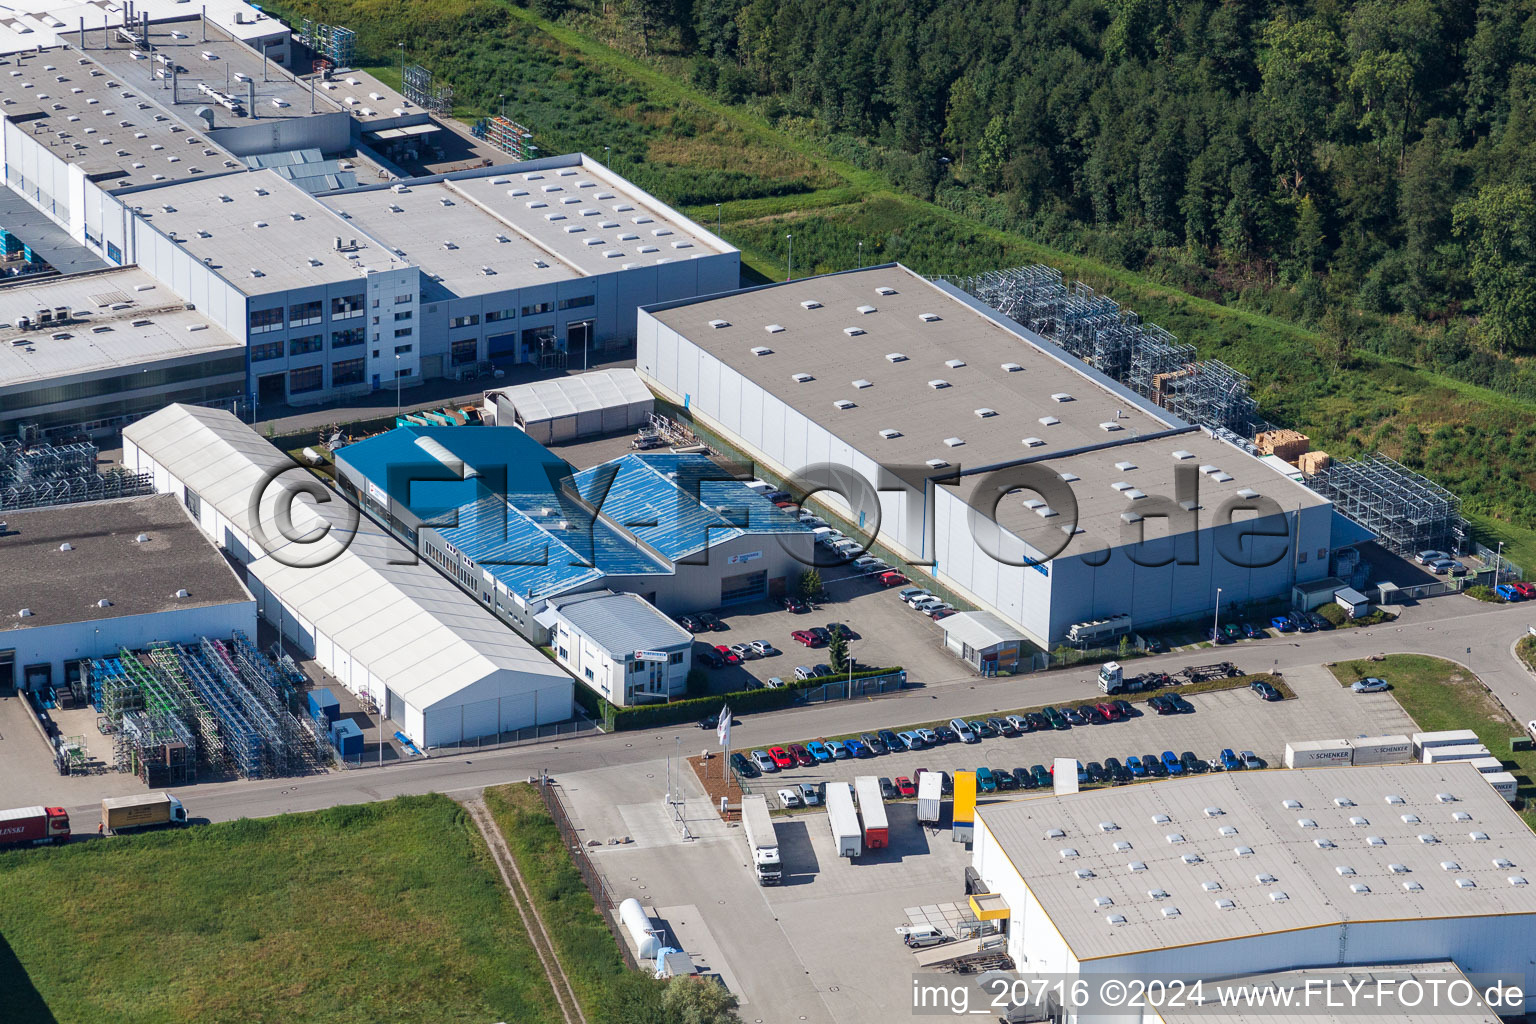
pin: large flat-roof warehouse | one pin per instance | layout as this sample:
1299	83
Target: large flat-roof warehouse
946	410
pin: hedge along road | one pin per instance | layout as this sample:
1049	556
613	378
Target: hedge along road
1444	627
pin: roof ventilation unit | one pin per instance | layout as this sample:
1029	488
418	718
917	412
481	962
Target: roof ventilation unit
183	593
853	332
1012	367
717	324
984	413
1049	421
761	350
810	304
66	546
890	434
929	318
866	310
895	357
861	384
801	378
774	329
954	442
885	290
938	384
843	403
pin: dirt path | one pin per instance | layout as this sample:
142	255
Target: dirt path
565	996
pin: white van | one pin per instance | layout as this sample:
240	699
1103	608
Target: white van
918	936
962	730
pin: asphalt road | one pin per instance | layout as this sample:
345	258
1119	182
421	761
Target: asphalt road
1445	627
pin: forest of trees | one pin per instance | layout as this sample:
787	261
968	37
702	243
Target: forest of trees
1374	154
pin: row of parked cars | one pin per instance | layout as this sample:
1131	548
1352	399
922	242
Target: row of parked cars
1291	622
1440	563
929	604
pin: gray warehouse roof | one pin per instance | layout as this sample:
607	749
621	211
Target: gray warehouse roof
622	623
1287	850
979	629
911	376
571	395
107	562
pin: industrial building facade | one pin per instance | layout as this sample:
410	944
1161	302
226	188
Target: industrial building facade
1242	873
342	590
621	646
1022	478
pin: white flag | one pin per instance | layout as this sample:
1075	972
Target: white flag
723	728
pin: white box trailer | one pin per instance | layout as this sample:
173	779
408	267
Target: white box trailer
1462	752
1445	738
1504	784
761	839
1489	765
844	820
930	798
1318	753
1381	749
877	830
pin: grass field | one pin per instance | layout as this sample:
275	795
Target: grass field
388	911
1442	695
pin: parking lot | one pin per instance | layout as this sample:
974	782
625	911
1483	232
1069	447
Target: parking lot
1235	719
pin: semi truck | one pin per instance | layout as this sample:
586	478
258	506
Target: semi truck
877	830
1112	679
844	820
131	813
930	798
762	841
33	826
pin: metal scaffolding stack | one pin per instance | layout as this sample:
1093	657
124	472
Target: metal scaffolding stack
337	43
161	749
35	475
416	85
302	745
210	743
1405	511
247	755
508	135
1114	341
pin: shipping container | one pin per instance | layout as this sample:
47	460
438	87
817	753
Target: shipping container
1463	752
1504	784
27	826
930	798
1382	749
346	737
1318	753
322	702
872	811
843	819
1446	738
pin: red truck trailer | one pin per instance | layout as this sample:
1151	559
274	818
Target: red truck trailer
30	826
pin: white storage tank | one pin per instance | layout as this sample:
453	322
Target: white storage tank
1381	749
1461	752
1504	784
641	930
1318	754
1447	738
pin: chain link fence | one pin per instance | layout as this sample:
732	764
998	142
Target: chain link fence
606	905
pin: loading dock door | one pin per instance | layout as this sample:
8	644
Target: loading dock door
750	586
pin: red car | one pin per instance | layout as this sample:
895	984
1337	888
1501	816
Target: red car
904	786
1526	590
802	756
1109	712
892	579
805	636
727	655
781	757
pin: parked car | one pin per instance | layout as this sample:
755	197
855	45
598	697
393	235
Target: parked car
1370	684
928	604
904	786
1233	630
963	731
710	657
869	563
713	721
1250	760
1125	708
1264	690
689	622
1056	718
1002	727
1431	556
907	593
873	743
764	649
819	671
781	757
773	682
1153	645
789	798
984	729
891	741
803	672
1508	592
1117	771
709	620
810	792
795	605
1161	705
1216	636
1041	776
891	579
804	756
727	655
840	749
1283	623
1527	590
888	789
910	741
1181	705
1074	716
1251	631
1229	760
746	769
1154	766
930	737
821	635
1304	622
1192	763
745	652
849	633
985	783
1108	711
1037	721
1136	768
1020	724
1442	566
806	637
1172	763
763	761
1005	780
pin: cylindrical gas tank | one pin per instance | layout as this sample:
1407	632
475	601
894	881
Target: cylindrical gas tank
640	929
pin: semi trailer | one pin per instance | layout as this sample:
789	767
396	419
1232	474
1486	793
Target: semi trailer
33	826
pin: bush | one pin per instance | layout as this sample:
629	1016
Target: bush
643	716
1483	593
1333	613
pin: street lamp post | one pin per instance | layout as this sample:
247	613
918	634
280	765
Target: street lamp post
861	254
718	219
1498	563
397	386
1216	620
790	273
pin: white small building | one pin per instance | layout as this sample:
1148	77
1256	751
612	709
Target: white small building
566	408
1353	602
620	646
983	641
82	581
